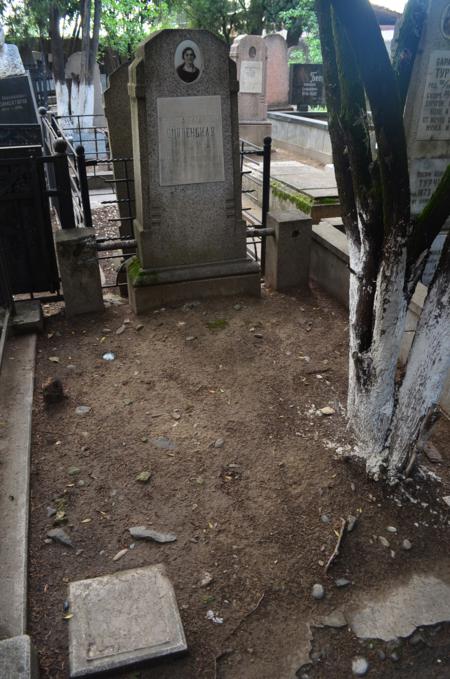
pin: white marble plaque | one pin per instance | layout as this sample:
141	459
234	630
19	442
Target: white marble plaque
190	140
434	120
251	77
425	174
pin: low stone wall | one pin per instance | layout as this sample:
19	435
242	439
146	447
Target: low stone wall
329	269
308	136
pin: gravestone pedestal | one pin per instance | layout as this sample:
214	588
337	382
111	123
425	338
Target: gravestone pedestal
250	54
189	230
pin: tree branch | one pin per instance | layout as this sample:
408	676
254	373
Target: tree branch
333	97
432	218
381	88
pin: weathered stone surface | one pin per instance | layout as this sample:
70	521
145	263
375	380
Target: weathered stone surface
18	659
143	533
10	59
78	266
277	88
396	612
118	115
122	619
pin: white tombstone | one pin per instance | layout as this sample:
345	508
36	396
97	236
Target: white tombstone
10	59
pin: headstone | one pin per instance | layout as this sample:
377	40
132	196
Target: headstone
19	120
427	116
189	229
277	71
10	59
118	116
122	619
306	85
250	54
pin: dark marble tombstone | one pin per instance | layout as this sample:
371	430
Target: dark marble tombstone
306	85
19	120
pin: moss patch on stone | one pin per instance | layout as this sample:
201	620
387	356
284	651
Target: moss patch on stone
140	277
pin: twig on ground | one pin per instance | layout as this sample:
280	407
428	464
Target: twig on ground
233	631
335	553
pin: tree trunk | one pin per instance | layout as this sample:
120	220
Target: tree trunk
84	97
388	249
57	49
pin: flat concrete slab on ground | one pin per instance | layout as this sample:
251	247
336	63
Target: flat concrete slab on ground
16	400
319	182
122	619
18	658
397	611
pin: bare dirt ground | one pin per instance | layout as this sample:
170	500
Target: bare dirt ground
251	484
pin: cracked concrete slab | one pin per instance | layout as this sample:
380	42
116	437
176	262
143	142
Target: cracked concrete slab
398	610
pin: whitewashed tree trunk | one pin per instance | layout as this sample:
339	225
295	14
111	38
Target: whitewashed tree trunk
62	98
388	406
426	372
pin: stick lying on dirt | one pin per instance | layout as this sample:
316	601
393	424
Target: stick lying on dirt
335	554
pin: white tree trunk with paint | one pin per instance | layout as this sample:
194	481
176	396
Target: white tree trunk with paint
62	98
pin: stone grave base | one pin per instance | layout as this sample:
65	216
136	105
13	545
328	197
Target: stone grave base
144	294
255	131
122	619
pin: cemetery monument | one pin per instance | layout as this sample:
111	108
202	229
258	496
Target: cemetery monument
190	235
427	115
277	72
250	54
19	120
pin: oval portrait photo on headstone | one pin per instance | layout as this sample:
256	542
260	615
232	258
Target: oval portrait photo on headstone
188	61
445	23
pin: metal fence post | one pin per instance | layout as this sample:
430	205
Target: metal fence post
63	187
82	177
265	196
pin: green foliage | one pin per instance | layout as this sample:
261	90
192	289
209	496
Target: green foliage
125	23
228	18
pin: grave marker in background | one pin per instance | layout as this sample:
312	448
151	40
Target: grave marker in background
277	71
189	229
306	85
427	116
118	115
250	54
19	120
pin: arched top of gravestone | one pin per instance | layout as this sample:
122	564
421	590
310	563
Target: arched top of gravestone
247	47
183	62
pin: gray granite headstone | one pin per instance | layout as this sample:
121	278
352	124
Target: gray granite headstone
122	619
118	115
427	115
188	226
250	54
277	94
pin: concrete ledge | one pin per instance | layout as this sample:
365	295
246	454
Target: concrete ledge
16	399
143	298
309	137
18	659
255	131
